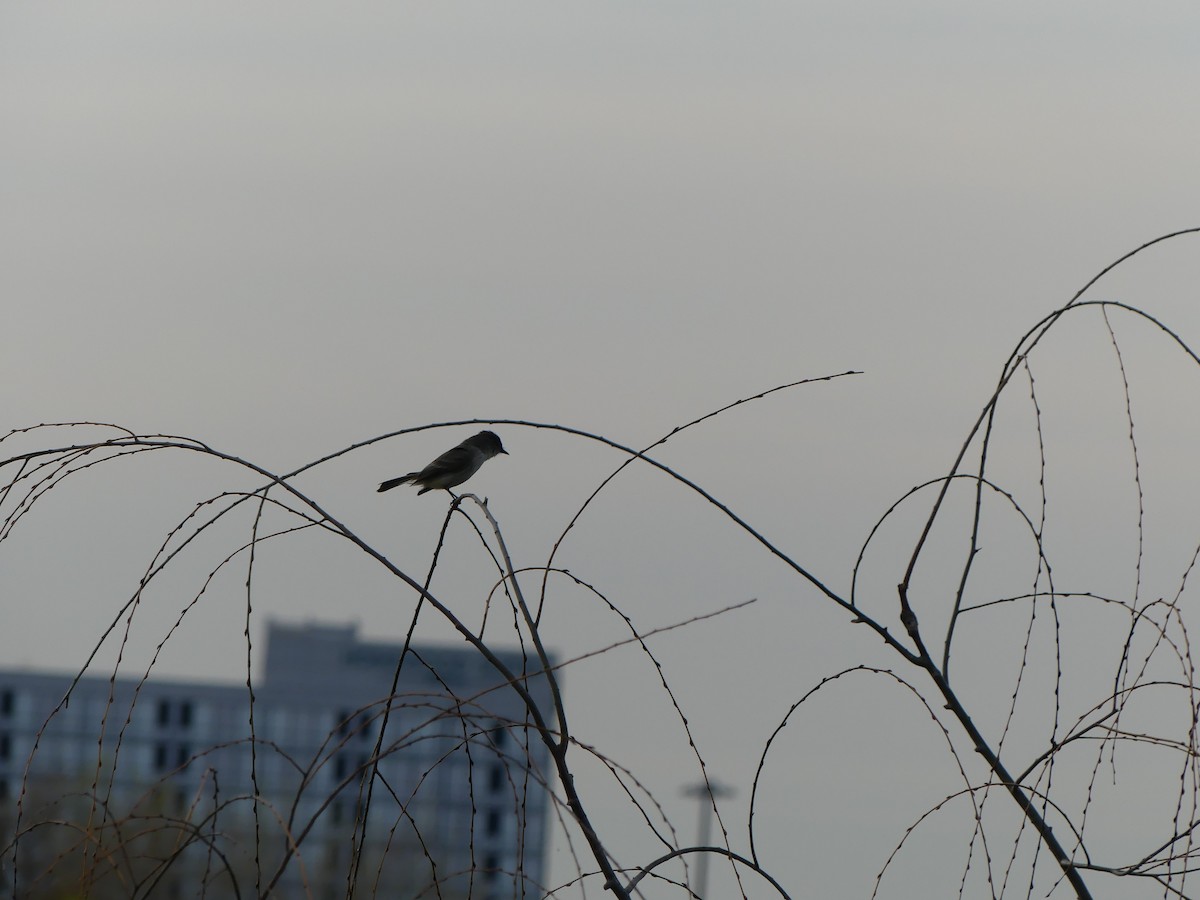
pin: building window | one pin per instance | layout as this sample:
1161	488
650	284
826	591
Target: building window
160	756
5	745
164	713
491	867
357	723
7	702
185	714
182	755
492	823
4	795
496	777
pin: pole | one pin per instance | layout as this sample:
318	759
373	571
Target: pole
707	792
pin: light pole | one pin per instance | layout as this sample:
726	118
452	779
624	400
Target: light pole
707	792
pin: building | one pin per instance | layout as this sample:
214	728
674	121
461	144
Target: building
119	788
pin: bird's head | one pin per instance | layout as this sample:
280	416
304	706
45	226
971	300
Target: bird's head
489	443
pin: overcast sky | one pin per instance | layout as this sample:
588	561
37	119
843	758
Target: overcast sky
285	228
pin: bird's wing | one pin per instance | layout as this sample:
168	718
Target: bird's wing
454	460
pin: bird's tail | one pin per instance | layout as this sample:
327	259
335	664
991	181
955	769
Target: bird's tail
396	482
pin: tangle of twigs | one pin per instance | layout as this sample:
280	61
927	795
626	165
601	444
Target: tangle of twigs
363	807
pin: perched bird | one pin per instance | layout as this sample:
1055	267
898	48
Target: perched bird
453	467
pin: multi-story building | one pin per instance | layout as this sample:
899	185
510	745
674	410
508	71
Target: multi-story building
318	780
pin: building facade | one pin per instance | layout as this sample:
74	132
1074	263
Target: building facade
316	781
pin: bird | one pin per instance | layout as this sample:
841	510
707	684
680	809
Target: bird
454	466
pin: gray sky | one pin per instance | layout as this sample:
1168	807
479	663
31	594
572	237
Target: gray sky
285	228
